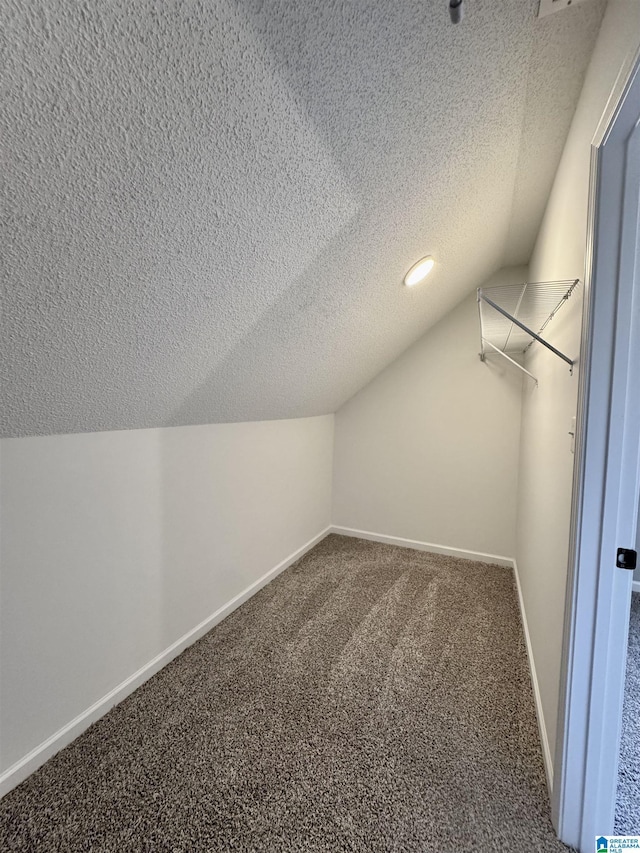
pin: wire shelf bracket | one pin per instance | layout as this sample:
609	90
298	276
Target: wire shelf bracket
510	314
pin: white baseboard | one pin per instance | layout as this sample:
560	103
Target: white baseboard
635	586
64	736
544	740
478	556
484	558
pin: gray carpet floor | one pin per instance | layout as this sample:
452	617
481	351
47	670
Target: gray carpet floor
371	698
628	799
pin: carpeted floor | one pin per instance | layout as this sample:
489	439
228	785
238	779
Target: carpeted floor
628	800
371	698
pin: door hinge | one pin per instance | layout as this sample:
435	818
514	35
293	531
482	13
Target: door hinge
626	558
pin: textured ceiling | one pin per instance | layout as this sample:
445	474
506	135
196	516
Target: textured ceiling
208	207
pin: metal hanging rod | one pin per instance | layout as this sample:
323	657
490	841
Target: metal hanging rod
515	311
512	360
525	329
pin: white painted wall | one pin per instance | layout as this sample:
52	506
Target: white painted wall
544	501
116	544
636	574
546	465
429	449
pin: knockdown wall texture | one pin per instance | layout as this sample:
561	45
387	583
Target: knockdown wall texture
114	545
429	450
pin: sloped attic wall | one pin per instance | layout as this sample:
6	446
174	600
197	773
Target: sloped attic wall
209	206
428	451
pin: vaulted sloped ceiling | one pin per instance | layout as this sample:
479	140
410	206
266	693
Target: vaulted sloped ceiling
208	207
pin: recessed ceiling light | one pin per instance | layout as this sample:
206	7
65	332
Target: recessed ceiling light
419	271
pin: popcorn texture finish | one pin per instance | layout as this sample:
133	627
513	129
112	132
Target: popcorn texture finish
208	208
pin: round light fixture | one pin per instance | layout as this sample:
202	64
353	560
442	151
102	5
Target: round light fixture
419	271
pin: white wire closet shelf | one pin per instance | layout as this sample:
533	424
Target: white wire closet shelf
514	316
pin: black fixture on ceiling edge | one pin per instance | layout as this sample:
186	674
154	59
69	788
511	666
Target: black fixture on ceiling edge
456	10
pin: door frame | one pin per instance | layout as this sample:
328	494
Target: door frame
606	482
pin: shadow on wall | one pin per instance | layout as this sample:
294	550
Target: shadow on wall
389	196
258	247
235	389
237	500
195	577
367	136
